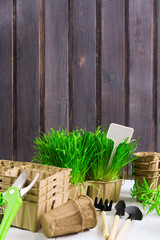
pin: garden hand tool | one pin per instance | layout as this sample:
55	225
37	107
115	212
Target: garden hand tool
104	207
118	133
134	214
120	207
13	198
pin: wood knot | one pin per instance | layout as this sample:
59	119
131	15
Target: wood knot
81	61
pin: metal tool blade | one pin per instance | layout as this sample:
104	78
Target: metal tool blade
103	206
23	191
134	213
120	207
20	181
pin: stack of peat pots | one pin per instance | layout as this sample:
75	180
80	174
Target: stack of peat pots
50	191
147	166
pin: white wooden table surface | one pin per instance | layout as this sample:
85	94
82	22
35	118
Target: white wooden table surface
147	229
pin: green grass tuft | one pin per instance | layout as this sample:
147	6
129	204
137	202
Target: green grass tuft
86	153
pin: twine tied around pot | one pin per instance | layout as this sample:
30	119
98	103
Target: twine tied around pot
72	217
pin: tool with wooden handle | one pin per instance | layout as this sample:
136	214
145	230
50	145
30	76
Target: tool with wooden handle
120	207
118	133
134	214
104	207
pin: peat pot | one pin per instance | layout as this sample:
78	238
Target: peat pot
110	190
72	217
76	191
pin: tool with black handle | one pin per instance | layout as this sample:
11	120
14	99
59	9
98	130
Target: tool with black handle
104	207
134	214
120	207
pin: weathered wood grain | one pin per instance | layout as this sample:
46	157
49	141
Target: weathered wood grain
27	77
158	75
42	64
140	71
98	61
56	64
84	64
113	62
6	84
78	63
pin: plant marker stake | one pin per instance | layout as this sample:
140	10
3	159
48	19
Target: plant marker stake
118	133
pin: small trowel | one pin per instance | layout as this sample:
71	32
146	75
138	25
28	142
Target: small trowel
120	207
134	214
118	133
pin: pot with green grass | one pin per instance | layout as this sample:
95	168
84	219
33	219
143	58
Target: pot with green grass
67	150
87	154
105	181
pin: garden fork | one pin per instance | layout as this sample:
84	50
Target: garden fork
104	206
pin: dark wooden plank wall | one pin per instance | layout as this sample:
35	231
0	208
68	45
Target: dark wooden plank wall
141	71
113	62
27	81
56	64
78	63
6	80
83	64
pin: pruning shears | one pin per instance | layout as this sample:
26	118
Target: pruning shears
13	199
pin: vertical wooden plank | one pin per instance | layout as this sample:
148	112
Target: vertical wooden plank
140	74
98	61
158	76
84	64
42	64
6	86
27	77
113	61
56	64
154	76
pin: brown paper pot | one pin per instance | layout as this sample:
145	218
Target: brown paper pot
151	166
145	173
76	191
72	217
149	180
146	157
109	190
28	216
